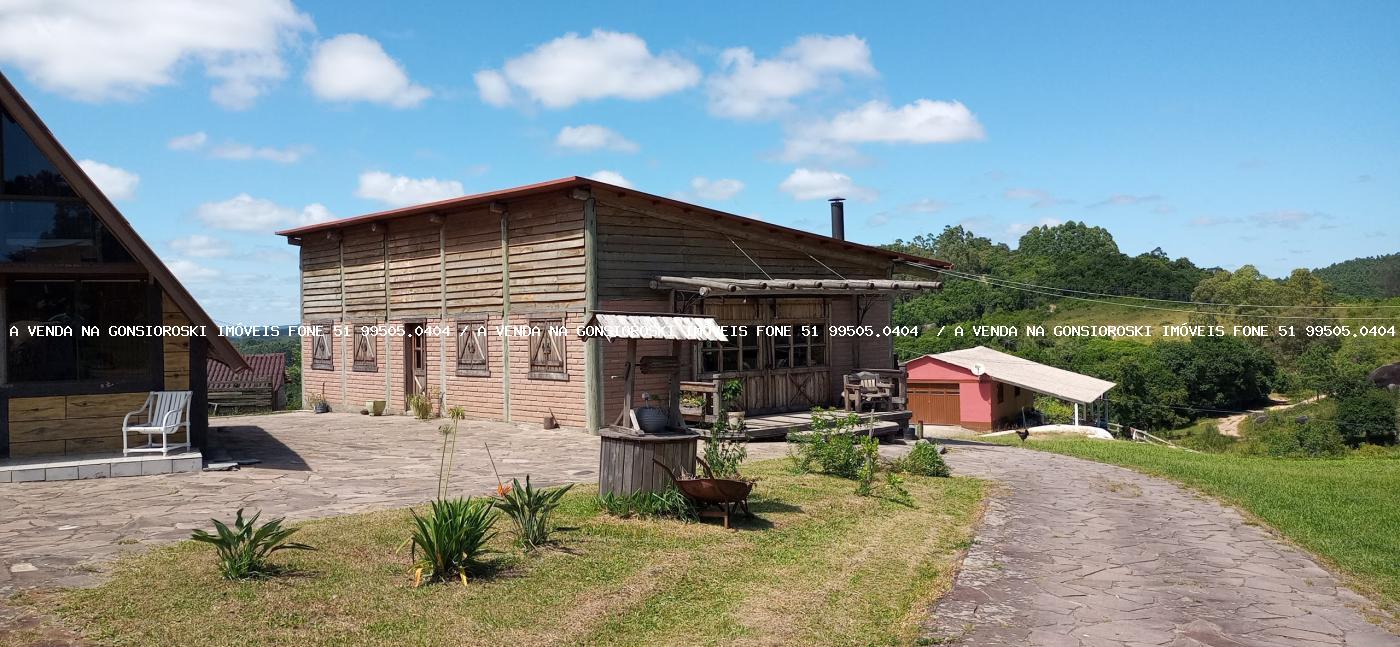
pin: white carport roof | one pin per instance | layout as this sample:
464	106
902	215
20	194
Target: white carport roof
1013	370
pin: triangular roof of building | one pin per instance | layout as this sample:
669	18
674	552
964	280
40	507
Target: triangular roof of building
219	347
1018	371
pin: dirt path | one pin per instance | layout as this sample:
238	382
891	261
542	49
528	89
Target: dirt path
1073	552
1230	425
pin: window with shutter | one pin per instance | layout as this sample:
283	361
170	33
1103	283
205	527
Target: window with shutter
366	357
322	355
547	349
473	353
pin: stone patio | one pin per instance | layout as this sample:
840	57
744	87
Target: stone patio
311	466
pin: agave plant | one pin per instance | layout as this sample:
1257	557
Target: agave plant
244	549
449	538
529	509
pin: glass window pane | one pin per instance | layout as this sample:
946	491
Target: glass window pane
818	356
55	232
749	359
26	170
709	360
108	357
40	357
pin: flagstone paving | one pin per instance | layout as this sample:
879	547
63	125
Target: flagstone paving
60	533
1074	553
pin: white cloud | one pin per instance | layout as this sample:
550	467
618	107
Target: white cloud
573	68
590	137
116	183
353	67
926	205
809	184
243	212
237	151
1126	199
921	122
1287	218
191	272
610	177
1018	228
201	246
403	191
718	189
96	51
1038	198
190	142
747	87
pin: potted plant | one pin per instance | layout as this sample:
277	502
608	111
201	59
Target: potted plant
376	407
730	394
651	418
317	399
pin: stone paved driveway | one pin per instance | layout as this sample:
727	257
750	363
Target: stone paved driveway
312	466
1079	553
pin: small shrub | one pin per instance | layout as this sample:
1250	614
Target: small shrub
450	538
666	503
421	404
725	450
1320	439
529	509
1207	439
244	550
922	460
1283	437
1367	416
868	449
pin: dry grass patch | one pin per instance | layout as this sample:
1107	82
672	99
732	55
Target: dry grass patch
818	564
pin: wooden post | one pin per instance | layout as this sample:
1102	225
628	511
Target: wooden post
673	394
630	380
592	347
505	307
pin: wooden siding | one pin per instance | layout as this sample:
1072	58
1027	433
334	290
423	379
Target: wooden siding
473	261
363	288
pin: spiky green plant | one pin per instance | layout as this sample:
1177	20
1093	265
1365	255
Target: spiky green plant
450	538
529	509
244	549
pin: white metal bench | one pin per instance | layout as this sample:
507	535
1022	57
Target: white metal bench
164	414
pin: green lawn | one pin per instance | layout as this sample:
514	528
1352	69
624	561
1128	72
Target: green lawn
1346	510
818	565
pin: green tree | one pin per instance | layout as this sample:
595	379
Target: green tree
1367	417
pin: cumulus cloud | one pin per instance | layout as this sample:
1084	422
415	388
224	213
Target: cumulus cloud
1124	199
116	183
717	189
1038	198
97	51
191	272
747	87
926	205
232	150
243	212
573	68
811	184
354	67
592	137
403	191
190	142
921	122
1287	218
201	246
1018	228
610	177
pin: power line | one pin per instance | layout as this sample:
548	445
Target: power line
997	282
985	277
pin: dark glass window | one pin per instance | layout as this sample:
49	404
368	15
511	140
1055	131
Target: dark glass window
50	316
804	347
740	353
23	169
55	232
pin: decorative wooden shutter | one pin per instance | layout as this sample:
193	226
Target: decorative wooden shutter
322	355
366	356
473	355
547	350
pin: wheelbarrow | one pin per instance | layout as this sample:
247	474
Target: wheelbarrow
714	497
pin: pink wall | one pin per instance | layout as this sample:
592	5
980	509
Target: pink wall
975	394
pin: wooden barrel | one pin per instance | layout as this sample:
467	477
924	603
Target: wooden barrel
625	461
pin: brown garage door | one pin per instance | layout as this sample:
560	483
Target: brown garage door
934	403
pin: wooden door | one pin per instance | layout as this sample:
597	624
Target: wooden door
415	361
935	403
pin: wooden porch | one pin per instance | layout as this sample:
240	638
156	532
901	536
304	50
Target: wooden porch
776	426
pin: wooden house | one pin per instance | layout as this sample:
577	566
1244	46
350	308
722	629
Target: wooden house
478	300
69	259
262	387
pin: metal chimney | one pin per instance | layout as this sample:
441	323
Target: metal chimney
838	218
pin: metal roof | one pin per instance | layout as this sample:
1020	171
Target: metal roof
273	365
583	182
619	325
739	287
1017	371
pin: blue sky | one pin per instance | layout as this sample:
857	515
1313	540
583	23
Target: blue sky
1231	133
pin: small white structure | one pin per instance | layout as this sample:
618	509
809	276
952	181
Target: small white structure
164	413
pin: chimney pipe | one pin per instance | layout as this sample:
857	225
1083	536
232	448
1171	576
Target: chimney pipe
838	218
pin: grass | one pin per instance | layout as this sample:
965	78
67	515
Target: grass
818	565
1345	510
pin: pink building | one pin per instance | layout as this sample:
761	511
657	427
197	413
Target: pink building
982	389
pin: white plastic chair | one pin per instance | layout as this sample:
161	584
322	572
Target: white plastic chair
164	413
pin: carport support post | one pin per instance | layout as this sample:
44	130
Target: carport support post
1076	414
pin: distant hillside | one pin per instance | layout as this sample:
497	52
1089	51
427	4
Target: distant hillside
1373	277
